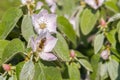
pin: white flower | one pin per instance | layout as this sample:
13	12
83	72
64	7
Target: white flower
39	5
44	22
44	44
94	3
52	5
25	2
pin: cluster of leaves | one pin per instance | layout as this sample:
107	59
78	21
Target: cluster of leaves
86	40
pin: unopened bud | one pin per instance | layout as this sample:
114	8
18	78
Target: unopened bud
103	22
72	53
6	67
105	54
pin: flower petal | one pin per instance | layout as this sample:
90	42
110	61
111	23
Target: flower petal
24	2
93	4
100	2
39	5
50	43
53	8
47	56
50	2
33	44
51	25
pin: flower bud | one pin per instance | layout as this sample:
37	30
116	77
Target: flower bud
6	67
72	53
102	22
105	54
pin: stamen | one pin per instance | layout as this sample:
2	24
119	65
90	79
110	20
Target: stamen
42	25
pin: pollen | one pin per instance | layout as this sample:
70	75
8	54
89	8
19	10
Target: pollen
42	25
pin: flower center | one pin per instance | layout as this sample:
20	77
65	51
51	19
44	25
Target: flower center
42	25
41	44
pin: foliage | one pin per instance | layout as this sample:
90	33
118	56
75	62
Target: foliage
75	40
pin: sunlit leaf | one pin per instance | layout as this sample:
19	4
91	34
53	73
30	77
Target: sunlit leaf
61	48
98	42
28	70
9	21
27	28
88	20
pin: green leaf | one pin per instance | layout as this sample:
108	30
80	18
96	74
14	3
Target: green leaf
111	37
112	6
28	70
65	27
79	54
103	71
14	47
115	52
67	7
95	64
61	49
114	17
98	42
88	20
18	69
73	71
86	64
46	72
9	21
27	28
3	44
113	68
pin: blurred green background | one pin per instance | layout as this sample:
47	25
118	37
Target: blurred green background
6	4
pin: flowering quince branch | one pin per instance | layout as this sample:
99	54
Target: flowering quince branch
61	37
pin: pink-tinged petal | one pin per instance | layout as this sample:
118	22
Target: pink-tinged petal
50	43
47	56
42	13
72	21
53	8
50	2
39	5
93	4
25	2
33	44
51	25
41	36
35	21
101	2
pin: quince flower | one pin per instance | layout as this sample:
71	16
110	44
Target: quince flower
39	5
44	44
94	3
44	22
52	5
26	2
